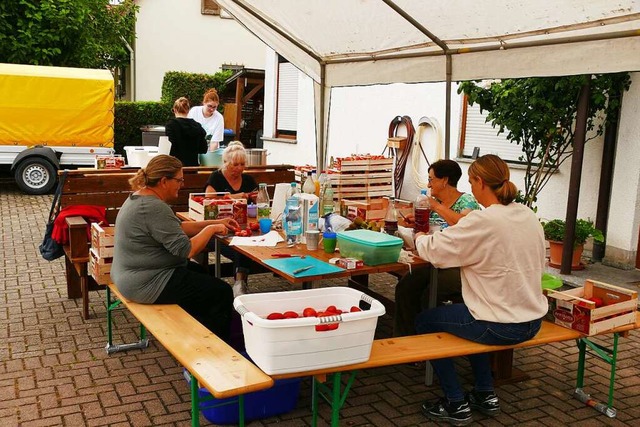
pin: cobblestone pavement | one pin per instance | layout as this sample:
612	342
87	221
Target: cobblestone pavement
54	370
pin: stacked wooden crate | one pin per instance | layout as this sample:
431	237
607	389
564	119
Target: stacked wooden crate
363	178
101	253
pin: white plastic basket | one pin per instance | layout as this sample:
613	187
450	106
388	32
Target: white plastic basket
294	345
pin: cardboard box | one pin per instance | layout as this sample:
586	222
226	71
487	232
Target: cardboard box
374	209
294	345
109	162
102	240
573	309
205	206
99	268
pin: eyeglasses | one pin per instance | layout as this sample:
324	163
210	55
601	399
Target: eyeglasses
211	106
180	180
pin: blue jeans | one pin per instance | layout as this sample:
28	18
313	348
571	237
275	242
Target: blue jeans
457	320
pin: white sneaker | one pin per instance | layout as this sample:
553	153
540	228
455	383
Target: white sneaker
240	288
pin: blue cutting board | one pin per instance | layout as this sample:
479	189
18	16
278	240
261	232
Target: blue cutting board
288	265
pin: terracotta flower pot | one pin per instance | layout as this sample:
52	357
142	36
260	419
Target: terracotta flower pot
555	256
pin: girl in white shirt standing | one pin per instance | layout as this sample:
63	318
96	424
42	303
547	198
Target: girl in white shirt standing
501	254
209	118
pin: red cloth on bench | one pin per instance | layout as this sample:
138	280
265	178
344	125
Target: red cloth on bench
91	213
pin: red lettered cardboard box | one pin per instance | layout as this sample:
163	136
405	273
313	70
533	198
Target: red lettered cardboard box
594	308
204	206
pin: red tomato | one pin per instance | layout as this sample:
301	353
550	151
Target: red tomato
331	309
291	315
239	233
354	309
254	226
275	316
598	301
309	312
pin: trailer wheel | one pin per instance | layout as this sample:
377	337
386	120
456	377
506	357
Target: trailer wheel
35	176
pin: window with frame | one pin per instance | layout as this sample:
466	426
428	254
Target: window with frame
478	137
287	100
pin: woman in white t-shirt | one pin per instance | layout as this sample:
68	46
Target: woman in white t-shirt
209	118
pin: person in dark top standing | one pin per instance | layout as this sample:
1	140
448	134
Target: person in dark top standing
230	178
188	138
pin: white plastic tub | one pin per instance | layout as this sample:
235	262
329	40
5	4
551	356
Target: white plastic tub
294	345
139	156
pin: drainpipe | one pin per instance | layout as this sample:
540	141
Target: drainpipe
606	179
132	67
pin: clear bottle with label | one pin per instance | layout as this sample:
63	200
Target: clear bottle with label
263	202
316	182
327	197
292	216
422	212
391	218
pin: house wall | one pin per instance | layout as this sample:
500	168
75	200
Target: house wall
359	122
172	35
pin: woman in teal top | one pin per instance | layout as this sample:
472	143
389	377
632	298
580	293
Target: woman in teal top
448	205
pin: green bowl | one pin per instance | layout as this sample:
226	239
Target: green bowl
550	281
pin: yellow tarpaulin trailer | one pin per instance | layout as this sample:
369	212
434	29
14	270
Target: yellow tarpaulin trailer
52	117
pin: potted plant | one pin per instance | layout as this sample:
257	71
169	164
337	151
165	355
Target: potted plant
554	232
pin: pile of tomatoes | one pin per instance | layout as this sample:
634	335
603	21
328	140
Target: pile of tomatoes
247	232
331	310
599	302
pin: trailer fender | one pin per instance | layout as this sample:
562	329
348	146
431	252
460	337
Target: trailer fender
35	169
40	151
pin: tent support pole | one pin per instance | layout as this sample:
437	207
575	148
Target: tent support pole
576	173
321	147
606	178
447	117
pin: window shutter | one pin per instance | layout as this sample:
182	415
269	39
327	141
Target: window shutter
481	134
287	97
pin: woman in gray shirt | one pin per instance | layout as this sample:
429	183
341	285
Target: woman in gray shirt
153	247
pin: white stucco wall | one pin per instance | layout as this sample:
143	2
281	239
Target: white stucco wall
359	122
172	35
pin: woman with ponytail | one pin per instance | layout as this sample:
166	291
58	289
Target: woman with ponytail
153	247
501	254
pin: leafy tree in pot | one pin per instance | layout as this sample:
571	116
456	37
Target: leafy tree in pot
539	115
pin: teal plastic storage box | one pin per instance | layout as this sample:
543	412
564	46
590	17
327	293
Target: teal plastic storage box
372	247
279	399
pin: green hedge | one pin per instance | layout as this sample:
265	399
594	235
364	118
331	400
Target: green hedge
191	85
130	116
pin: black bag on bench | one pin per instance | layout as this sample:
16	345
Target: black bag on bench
49	248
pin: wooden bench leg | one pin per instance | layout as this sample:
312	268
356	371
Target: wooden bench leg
608	355
84	286
114	348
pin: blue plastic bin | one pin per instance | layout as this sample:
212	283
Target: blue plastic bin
279	399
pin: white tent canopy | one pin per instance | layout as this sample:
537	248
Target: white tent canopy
364	42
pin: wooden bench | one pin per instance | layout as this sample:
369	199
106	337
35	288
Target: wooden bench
110	188
417	348
210	362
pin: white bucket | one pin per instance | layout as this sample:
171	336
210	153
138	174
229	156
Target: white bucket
138	156
164	145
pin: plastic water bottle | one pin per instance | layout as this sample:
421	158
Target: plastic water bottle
422	212
292	216
327	197
391	218
263	202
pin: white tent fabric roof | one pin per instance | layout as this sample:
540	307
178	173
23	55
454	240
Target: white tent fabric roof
377	41
365	42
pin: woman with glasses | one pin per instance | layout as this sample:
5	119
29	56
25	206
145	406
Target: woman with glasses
448	206
153	247
209	118
231	178
500	251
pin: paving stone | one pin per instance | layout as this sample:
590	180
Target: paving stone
54	370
